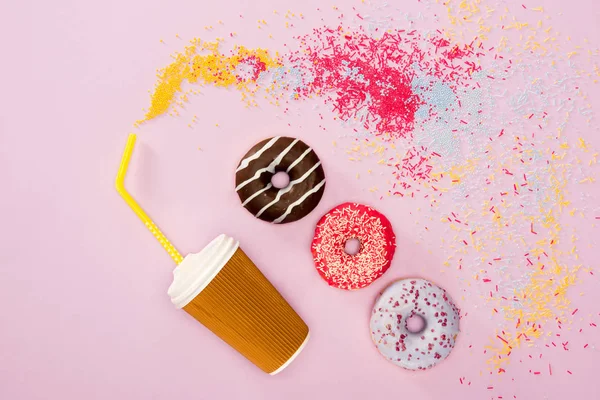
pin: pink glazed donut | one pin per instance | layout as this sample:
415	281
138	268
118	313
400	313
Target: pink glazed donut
414	350
377	246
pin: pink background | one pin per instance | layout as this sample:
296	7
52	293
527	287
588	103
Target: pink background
84	312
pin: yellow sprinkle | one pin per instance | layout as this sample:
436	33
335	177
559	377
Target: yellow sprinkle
202	63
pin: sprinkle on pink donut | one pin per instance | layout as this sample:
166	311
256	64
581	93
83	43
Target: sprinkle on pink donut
377	246
402	300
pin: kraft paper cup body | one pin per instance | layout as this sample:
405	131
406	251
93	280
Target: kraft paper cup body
223	289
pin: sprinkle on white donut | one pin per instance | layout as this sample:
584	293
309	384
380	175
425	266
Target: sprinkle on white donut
402	300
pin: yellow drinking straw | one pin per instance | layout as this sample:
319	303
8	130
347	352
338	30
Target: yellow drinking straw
120	185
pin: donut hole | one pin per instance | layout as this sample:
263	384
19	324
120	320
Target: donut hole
352	246
415	324
280	180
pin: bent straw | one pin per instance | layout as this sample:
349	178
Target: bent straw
120	185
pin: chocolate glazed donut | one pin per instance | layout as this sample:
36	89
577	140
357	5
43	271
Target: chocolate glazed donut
279	206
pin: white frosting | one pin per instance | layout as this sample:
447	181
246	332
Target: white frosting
297	160
246	161
289	187
270	168
299	201
249	199
197	270
389	330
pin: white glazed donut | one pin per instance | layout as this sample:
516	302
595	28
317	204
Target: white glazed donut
402	300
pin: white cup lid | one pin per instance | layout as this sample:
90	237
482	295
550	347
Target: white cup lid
197	270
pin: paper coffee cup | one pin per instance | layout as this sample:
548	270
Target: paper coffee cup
223	289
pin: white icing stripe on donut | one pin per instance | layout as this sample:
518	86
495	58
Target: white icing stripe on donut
292	165
270	168
299	201
287	189
249	199
246	161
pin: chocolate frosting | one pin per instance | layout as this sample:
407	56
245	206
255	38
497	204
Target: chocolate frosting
288	204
